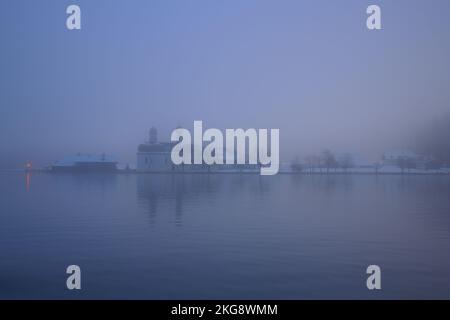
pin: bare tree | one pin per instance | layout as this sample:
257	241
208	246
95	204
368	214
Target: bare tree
346	161
316	162
328	160
310	162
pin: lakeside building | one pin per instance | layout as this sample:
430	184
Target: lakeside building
155	156
85	163
407	159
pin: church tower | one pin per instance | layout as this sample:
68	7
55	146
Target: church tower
153	136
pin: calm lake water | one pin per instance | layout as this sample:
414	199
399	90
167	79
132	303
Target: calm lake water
224	236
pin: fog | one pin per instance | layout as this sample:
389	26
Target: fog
310	68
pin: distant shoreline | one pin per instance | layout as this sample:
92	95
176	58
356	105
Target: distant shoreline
284	172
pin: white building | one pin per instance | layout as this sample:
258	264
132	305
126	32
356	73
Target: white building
154	156
86	163
406	157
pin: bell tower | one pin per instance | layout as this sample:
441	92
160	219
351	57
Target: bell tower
153	136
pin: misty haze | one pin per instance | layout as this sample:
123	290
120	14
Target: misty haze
309	68
87	177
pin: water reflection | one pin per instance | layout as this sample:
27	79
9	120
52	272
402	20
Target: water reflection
210	236
172	192
27	181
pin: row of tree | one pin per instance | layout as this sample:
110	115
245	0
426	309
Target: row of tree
325	161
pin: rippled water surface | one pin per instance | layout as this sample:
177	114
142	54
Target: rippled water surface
224	236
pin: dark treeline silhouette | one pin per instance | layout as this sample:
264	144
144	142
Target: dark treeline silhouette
326	160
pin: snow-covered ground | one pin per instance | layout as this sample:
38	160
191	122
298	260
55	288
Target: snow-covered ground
286	168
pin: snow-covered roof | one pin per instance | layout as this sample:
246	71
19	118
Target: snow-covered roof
71	160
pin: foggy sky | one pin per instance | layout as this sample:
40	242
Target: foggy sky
309	68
